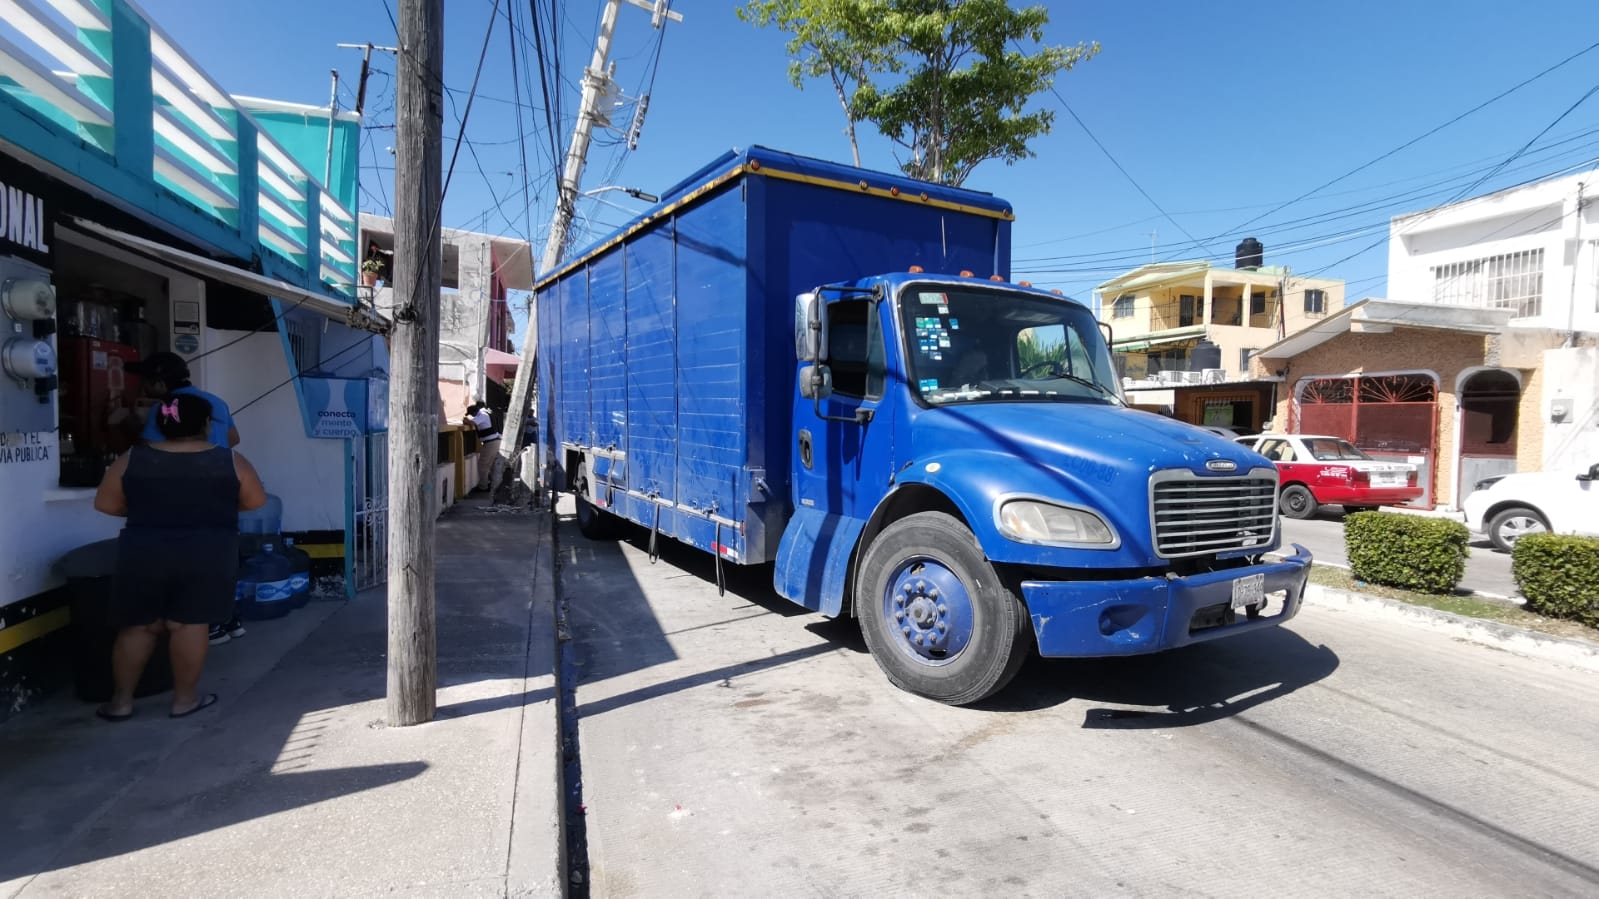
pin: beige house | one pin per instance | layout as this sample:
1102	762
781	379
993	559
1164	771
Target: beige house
1184	333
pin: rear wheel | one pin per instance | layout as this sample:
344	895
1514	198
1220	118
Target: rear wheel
1510	525
1297	502
937	618
591	521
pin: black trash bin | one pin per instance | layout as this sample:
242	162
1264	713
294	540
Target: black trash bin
88	570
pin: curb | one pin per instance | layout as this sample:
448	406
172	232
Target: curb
1520	641
536	857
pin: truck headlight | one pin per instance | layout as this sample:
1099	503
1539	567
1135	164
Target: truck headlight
1040	522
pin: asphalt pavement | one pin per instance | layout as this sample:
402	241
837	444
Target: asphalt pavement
1487	569
735	744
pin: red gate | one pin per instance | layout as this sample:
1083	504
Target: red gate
1392	417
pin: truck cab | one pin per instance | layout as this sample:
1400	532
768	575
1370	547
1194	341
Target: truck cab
969	482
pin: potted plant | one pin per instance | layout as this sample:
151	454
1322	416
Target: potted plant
370	268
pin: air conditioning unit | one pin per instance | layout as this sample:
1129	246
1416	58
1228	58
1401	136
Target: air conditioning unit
1214	376
1167	376
1191	377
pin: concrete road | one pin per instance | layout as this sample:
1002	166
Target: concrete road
1487	569
736	745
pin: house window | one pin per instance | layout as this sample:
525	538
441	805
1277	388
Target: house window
1316	302
1243	359
1257	304
1190	310
1123	307
1511	281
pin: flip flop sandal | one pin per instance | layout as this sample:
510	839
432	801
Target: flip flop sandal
206	701
104	715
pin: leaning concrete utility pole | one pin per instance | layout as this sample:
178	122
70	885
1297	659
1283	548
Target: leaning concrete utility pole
598	87
414	363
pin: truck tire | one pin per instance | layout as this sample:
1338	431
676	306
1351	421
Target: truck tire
1297	502
1509	525
592	522
936	617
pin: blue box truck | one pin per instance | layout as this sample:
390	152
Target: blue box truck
803	364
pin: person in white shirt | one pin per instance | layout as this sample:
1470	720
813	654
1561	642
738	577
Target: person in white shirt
489	464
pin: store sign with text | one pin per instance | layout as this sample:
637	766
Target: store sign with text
25	224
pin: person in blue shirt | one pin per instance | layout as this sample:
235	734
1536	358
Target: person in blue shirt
167	373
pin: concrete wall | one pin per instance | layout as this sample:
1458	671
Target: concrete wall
1572	375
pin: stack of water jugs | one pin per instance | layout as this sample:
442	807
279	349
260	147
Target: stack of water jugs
274	575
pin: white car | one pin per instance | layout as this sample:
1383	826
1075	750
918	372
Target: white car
1535	503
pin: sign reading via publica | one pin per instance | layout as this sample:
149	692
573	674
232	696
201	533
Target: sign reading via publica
17	447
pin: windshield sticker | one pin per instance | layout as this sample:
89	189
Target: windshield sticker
938	357
932	299
943	310
954	324
943	341
928	384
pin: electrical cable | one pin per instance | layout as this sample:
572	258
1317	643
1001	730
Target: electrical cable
1413	141
358	345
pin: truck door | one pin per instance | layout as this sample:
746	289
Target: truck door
844	444
843	456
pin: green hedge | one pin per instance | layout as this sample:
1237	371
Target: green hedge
1407	551
1559	575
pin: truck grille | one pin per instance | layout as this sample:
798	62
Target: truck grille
1194	516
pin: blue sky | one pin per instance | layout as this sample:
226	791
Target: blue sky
1221	112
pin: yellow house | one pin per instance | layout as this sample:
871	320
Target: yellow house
1184	333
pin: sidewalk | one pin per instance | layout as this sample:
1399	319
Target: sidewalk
292	785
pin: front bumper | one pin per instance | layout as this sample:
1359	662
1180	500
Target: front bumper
1130	617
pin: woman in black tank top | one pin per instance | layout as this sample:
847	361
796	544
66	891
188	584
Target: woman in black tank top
177	557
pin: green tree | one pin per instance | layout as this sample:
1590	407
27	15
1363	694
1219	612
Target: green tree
945	79
828	39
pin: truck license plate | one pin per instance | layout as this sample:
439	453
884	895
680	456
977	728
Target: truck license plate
1249	591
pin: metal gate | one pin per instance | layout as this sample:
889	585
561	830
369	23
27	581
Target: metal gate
1393	417
366	549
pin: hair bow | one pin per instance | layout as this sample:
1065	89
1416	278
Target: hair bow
170	410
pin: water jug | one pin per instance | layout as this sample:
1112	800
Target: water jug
260	525
300	573
270	571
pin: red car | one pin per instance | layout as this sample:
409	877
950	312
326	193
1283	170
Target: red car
1316	471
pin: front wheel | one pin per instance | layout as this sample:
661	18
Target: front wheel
1297	502
1512	524
936	616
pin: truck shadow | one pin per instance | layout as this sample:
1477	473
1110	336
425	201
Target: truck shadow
1194	685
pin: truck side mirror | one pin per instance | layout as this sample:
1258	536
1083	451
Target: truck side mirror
1592	475
1110	334
810	327
816	382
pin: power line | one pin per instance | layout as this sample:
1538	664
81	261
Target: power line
1475	184
1413	141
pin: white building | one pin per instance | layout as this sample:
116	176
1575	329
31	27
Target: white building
1532	251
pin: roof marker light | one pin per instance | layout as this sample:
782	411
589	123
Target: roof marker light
995	278
1057	293
863	185
1024	283
893	191
755	165
966	274
915	269
924	196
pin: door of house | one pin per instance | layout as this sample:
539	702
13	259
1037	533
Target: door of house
1490	403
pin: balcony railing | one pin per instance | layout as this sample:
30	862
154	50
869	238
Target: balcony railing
160	115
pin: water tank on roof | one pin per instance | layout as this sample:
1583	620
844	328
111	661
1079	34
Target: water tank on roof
1249	254
1204	355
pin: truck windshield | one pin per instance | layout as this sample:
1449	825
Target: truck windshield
971	345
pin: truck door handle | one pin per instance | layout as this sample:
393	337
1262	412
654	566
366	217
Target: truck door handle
806	457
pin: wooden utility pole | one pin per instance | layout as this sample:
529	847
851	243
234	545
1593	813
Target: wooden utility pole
414	363
597	86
